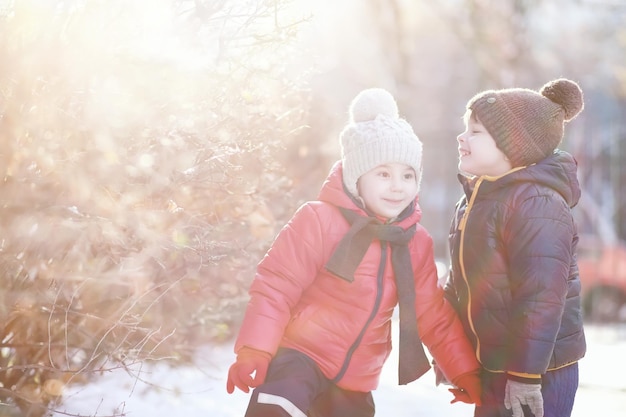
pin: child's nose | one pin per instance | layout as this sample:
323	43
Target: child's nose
396	183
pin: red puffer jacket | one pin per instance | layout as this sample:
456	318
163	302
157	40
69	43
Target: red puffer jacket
345	327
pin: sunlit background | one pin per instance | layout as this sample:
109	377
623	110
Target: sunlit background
152	149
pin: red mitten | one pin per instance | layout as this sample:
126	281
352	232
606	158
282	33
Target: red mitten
469	389
248	361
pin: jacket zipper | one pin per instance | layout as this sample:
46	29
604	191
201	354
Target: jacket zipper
379	296
461	228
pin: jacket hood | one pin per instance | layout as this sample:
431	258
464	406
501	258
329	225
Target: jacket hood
557	171
333	192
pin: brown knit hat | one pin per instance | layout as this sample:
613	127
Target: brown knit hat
527	125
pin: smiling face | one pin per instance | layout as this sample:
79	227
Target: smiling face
388	189
478	153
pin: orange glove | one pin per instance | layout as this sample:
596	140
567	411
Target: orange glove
469	389
248	361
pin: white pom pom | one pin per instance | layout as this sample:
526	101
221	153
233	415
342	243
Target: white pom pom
373	102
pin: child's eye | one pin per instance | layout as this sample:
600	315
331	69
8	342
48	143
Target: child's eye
409	176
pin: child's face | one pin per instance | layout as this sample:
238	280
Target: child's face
478	153
388	189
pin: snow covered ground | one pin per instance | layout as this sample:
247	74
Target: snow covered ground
199	390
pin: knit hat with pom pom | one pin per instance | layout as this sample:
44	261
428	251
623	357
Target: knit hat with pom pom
376	135
527	125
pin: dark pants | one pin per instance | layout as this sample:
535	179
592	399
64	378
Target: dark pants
295	387
557	387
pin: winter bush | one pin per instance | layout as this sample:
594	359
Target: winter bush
140	144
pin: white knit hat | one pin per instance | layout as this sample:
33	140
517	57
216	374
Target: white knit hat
376	135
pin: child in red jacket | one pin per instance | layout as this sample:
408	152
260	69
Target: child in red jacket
317	329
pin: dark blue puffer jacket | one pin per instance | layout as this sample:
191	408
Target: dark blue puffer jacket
514	277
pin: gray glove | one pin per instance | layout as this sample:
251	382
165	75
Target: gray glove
518	393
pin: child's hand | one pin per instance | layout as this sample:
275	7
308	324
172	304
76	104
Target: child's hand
518	393
469	389
240	373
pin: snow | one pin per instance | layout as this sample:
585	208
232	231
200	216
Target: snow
159	390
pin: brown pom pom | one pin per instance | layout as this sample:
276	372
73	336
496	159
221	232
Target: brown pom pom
566	93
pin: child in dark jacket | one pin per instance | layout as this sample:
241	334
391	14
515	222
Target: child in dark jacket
514	278
317	329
